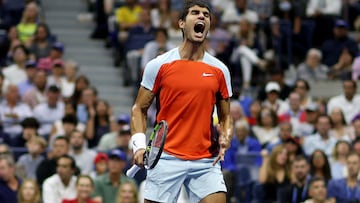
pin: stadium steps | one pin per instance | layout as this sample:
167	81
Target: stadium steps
95	61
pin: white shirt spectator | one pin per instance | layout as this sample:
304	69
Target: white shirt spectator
47	116
315	141
151	51
349	108
54	191
67	88
266	136
84	160
326	7
14	74
12	125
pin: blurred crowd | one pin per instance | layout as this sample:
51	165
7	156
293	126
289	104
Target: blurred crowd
60	142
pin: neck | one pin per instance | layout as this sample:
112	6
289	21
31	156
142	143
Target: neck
66	181
81	200
21	64
349	97
324	136
301	183
341	158
352	181
114	177
34	155
192	51
77	151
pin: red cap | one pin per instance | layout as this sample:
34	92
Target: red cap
100	157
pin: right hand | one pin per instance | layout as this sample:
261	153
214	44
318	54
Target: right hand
139	157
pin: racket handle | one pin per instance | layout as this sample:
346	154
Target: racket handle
132	171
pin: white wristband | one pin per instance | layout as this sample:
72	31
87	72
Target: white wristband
138	141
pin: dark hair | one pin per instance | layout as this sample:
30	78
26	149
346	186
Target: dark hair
352	81
316	179
300	158
21	46
47	30
69	118
272	114
325	116
62	138
161	30
73	162
307	85
30	122
54	89
325	169
190	3
2	75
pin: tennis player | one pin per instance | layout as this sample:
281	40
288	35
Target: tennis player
187	83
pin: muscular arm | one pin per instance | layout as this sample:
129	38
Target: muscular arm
226	126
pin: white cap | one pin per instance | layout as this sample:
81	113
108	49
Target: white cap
272	86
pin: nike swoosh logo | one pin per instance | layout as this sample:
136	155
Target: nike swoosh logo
207	74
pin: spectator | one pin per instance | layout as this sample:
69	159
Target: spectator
266	130
12	112
62	184
295	115
100	165
26	85
109	140
56	75
7	44
312	114
27	27
29	191
36	146
355	122
318	191
100	122
340	59
356	145
319	165
37	94
347	189
274	173
107	185
320	140
285	132
298	192
88	101
123	140
9	183
127	193
47	167
161	14
348	102
81	83
56	52
29	129
312	69
40	46
338	162
236	111
83	156
84	188
15	73
49	112
340	129
302	87
68	82
273	100
254	112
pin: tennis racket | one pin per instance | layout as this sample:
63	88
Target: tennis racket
154	148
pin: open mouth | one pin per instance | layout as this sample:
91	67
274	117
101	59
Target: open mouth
199	27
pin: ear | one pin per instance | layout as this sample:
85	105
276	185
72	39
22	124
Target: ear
181	24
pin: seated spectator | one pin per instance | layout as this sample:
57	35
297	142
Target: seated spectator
340	59
40	46
266	130
84	188
47	167
302	87
49	112
109	140
128	192
36	146
318	191
30	127
62	184
81	83
247	52
298	191
9	183
28	84
87	101
347	189
82	155
27	26
338	162
319	165
285	132
107	185
100	122
274	173
174	31
68	82
29	191
295	115
254	112
100	165
312	69
56	75
340	130
308	127
56	52
37	94
9	41
349	101
273	100
320	140
12	112
15	73
355	123
161	14
236	111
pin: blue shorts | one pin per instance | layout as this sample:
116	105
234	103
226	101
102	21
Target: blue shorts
199	177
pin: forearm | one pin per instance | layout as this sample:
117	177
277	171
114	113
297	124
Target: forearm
90	128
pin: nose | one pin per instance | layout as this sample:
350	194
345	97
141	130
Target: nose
201	16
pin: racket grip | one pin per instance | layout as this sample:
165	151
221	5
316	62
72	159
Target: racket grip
132	171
